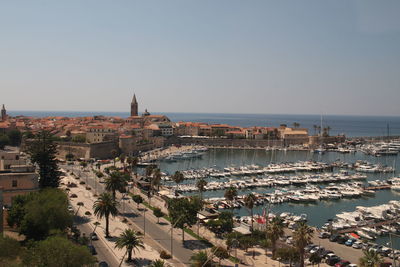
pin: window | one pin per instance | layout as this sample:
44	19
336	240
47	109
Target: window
14	183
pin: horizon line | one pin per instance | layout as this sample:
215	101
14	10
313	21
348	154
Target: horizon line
220	113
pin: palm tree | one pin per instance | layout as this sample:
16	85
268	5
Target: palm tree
158	263
296	124
131	240
149	171
200	259
105	206
201	184
230	195
114	154
275	230
117	181
249	202
328	129
302	237
178	177
80	204
315	129
370	259
122	158
156	181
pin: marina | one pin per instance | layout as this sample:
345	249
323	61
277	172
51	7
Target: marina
319	195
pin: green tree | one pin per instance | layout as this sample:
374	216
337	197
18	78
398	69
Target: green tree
370	259
302	237
58	251
117	181
79	139
230	195
275	230
105	206
315	258
290	254
178	177
201	259
42	214
114	154
201	184
221	253
158	263
156	179
226	219
130	240
4	141
183	211
15	137
249	202
10	250
138	199
17	211
43	152
158	213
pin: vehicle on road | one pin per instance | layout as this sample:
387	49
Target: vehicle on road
342	263
93	236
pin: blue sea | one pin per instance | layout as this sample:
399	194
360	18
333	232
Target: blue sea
349	125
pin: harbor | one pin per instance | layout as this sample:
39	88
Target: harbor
340	183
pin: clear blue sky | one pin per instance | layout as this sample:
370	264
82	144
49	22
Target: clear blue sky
290	57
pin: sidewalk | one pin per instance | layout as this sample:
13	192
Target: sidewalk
116	226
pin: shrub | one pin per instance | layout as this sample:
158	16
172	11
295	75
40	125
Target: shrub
164	255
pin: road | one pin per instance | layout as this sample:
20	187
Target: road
155	235
103	252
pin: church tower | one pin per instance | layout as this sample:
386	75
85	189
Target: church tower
134	106
3	114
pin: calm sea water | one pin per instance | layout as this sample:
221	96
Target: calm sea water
349	125
317	213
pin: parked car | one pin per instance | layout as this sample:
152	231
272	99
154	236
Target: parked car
357	245
352	265
325	253
308	248
334	238
93	236
342	263
316	249
103	264
350	242
341	240
333	260
73	196
324	235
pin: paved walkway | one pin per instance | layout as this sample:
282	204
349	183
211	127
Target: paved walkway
116	226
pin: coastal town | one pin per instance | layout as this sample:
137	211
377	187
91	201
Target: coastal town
97	136
91	151
178	133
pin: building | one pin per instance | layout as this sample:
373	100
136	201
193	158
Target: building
134	107
16	177
98	134
294	136
3	114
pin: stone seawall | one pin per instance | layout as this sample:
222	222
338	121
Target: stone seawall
82	150
224	142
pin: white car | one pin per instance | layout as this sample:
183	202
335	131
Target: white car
357	245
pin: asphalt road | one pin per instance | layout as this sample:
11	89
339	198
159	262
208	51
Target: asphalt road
153	230
103	252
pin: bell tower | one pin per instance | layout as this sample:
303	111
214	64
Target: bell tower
134	106
3	114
